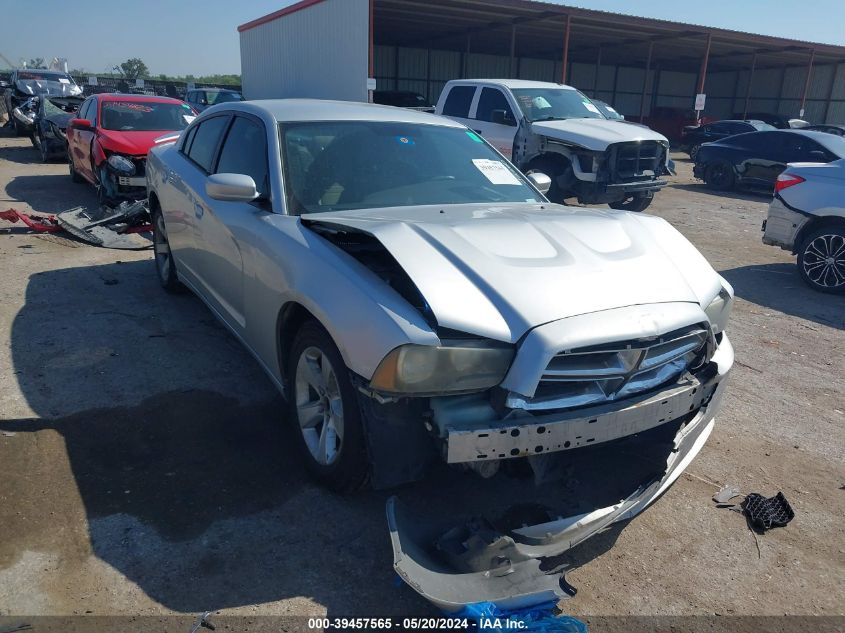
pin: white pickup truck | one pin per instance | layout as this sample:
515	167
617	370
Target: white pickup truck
557	130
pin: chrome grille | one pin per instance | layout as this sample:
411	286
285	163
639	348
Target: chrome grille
603	373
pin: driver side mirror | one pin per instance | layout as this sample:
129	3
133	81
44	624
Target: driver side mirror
231	187
502	117
80	124
541	181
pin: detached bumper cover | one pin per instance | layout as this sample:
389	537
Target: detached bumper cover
782	225
511	569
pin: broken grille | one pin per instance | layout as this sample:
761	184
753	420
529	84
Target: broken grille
638	159
604	373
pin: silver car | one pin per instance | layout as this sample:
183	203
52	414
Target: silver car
417	299
807	218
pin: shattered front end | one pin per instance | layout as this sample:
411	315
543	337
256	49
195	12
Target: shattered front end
602	411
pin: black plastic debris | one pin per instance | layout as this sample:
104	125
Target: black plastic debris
764	514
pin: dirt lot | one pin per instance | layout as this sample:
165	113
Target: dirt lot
144	468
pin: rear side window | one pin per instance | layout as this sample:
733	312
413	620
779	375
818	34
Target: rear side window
458	101
245	152
205	141
491	99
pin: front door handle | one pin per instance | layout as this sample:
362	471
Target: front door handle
198	211
479	132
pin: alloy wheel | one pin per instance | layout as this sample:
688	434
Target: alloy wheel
161	248
823	261
319	406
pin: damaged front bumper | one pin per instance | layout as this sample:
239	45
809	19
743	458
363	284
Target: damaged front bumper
512	562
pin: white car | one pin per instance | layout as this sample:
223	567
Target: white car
417	299
807	218
559	131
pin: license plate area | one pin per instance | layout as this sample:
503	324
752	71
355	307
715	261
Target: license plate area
535	435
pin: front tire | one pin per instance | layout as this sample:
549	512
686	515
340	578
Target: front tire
323	407
74	175
720	176
554	169
165	266
821	260
42	149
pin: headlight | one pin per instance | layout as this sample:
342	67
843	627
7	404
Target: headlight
422	369
121	165
720	308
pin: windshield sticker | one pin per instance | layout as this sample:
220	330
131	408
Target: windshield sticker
474	137
188	118
404	140
590	107
62	80
186	107
127	105
541	103
495	171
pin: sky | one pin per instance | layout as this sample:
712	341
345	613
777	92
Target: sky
199	37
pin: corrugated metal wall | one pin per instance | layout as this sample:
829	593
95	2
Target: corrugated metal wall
318	52
773	90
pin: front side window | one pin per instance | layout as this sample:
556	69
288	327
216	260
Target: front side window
492	99
145	116
339	165
205	141
550	104
458	101
245	152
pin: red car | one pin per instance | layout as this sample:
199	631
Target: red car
108	143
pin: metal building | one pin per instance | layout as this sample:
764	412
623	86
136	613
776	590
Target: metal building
329	48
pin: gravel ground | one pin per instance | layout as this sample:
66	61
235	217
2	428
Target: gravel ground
143	468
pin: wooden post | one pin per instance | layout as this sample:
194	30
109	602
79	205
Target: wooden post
513	49
565	48
748	87
807	81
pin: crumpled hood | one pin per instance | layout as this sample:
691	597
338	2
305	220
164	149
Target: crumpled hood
499	271
132	143
595	134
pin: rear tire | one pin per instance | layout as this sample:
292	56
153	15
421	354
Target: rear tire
821	260
42	149
74	176
165	266
693	152
323	407
720	176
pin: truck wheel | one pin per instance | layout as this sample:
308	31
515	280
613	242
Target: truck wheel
720	176
821	259
324	409
636	202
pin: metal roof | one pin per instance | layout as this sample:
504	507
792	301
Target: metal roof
623	39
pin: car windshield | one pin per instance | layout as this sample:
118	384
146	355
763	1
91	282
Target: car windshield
760	126
608	111
223	97
548	104
37	75
145	116
833	143
339	165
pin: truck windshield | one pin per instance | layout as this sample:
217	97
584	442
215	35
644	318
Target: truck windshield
549	104
340	165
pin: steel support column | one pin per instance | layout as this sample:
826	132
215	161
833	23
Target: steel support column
807	81
748	87
596	74
513	49
565	48
645	80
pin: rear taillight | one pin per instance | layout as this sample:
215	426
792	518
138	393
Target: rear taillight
785	181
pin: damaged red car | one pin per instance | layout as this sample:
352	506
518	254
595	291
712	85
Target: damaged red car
108	143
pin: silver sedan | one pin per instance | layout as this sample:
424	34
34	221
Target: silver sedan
417	299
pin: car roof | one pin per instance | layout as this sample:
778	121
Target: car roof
512	83
296	110
128	96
